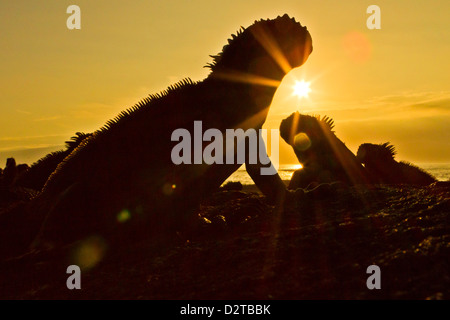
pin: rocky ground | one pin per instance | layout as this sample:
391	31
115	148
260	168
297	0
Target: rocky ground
318	247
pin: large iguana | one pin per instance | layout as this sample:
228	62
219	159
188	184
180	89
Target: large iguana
126	166
324	157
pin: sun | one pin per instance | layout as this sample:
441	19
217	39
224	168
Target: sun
301	89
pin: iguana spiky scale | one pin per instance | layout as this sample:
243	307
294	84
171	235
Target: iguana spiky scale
126	165
41	170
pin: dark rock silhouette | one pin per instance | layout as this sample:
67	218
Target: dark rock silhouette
16	226
22	169
323	156
12	172
41	170
232	185
379	161
126	166
9	173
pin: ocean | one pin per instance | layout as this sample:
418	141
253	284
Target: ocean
440	171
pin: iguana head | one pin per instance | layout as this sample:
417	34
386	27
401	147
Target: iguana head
307	134
268	48
313	126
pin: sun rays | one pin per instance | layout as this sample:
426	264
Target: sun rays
241	77
301	89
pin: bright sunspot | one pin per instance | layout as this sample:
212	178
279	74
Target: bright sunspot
301	89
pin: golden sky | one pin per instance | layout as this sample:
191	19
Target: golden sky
390	84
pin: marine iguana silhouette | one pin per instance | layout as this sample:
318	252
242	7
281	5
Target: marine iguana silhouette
126	165
379	161
323	156
40	171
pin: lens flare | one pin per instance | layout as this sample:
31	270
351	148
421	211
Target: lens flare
302	141
357	46
168	188
89	252
123	216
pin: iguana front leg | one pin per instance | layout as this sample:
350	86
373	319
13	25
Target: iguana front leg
270	185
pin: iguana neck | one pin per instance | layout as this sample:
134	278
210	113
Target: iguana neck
245	104
253	89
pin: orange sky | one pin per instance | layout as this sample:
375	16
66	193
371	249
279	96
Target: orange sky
378	85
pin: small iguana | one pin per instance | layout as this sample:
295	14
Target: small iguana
39	171
323	156
126	166
379	160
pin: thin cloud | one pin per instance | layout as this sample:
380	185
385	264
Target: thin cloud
31	147
410	97
51	118
21	138
406	106
23	112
